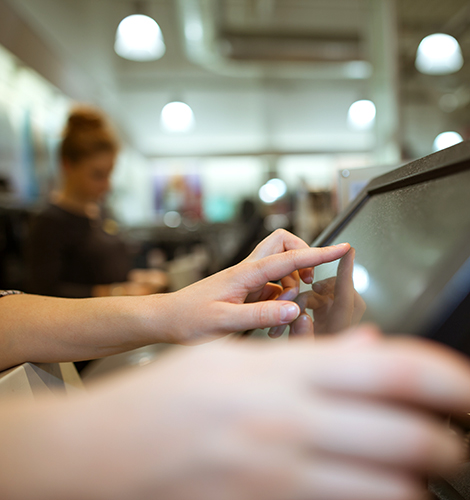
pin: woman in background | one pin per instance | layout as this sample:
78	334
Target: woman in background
73	251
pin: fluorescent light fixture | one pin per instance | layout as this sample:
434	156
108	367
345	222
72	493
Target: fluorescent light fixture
438	54
446	140
361	114
139	38
177	116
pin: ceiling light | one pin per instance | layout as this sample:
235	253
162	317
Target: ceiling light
272	190
438	54
361	114
177	116
139	38
446	140
267	194
279	187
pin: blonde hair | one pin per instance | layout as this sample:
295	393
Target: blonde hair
87	133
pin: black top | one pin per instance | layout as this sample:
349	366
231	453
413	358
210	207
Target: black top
68	254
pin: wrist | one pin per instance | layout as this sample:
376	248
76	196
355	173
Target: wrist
153	317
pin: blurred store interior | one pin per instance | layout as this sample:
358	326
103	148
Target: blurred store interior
269	139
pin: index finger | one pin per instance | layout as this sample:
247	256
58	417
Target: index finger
277	266
278	242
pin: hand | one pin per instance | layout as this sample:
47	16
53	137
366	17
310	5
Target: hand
348	418
236	299
244	297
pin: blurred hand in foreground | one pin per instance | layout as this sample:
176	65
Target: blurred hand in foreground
352	417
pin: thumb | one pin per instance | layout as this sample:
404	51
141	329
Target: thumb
262	314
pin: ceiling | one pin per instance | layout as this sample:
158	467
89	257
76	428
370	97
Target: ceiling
262	76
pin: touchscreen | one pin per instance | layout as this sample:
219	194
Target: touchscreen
400	238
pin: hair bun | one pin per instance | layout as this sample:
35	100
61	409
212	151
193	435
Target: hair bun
86	133
86	118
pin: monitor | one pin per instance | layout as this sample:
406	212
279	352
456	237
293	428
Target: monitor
410	229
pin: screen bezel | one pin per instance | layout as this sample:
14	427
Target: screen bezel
450	284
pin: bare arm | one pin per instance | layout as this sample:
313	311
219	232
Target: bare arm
45	329
49	329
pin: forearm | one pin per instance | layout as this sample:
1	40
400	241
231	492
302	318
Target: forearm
46	329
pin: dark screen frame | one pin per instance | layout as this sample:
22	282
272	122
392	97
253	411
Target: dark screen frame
442	312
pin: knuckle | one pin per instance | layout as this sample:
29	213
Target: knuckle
262	314
259	268
294	255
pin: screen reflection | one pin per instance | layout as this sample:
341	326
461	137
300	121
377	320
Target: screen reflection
335	302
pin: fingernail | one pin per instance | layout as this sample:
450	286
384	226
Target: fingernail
277	331
289	312
342	245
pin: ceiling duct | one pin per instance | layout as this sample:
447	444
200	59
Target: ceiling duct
281	47
266	52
